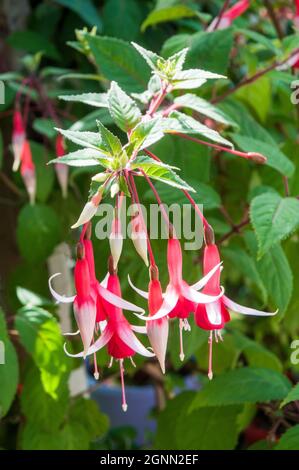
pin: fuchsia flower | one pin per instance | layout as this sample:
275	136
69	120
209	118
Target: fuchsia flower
139	236
180	299
213	316
18	138
118	334
61	170
229	15
296	18
28	171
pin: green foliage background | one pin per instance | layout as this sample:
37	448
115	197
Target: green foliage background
253	209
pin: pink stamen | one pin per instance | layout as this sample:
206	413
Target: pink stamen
210	341
123	392
110	363
181	326
96	370
132	362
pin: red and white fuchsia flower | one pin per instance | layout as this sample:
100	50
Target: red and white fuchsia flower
229	15
99	306
61	170
28	171
213	316
18	138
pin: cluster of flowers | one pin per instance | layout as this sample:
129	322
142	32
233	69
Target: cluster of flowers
23	156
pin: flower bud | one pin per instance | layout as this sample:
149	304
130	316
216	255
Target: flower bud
89	210
116	241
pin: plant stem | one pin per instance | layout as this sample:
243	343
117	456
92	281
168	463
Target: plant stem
221	13
273	18
253	78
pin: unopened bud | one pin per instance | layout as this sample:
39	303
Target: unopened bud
100	177
89	210
116	241
257	157
114	189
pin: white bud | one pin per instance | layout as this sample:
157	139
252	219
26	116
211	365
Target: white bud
139	240
114	189
100	177
87	213
116	245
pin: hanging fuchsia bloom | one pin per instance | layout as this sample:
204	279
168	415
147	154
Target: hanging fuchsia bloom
139	236
61	170
229	15
180	299
116	241
214	316
18	138
296	18
28	171
117	335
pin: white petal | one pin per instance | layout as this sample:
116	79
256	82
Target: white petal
104	282
158	337
85	315
117	301
139	329
87	213
202	282
214	313
198	297
245	310
169	302
128	337
58	297
142	293
98	344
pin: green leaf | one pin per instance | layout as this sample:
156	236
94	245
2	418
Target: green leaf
83	157
45	127
293	395
251	94
122	19
240	386
146	133
275	271
89	121
87	139
275	158
85	9
171	13
87	414
178	429
41	337
181	123
9	369
110	143
192	78
273	218
29	298
246	265
160	172
123	109
256	354
38	226
289	440
99	100
33	42
150	57
203	107
119	61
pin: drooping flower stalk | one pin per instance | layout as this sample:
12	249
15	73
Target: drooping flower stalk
229	15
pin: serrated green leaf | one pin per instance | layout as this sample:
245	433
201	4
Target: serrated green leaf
203	107
171	13
83	157
192	78
147	133
275	158
273	219
289	440
87	139
293	395
123	109
99	100
150	57
244	385
119	61
40	335
9	368
160	172
181	123
275	271
110	143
